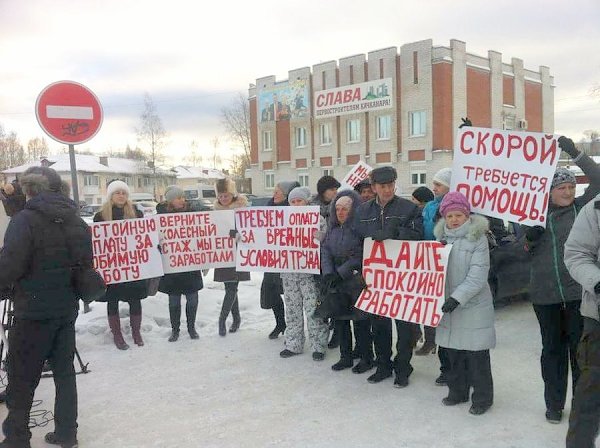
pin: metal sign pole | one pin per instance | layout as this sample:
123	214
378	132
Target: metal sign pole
74	184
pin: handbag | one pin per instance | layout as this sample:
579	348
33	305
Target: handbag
334	304
87	283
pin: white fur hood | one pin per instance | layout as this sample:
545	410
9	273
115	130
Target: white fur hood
473	229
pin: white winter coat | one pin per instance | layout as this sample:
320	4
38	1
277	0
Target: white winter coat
471	325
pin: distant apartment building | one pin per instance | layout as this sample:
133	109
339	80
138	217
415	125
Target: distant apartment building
388	108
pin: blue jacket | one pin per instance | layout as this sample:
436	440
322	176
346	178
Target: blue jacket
430	217
400	218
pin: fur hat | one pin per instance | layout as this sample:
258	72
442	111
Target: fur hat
173	192
443	176
365	183
287	186
39	178
226	186
114	186
423	194
299	193
325	183
563	176
455	201
384	175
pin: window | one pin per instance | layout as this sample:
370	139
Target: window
147	181
270	180
325	133
328	173
384	127
300	137
128	181
417	122
418	178
303	179
509	123
267	141
139	182
352	131
90	180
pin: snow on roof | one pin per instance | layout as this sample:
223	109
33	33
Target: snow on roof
197	172
91	164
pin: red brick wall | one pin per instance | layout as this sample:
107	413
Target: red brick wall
533	106
352	159
416	155
479	108
442	106
300	163
383	157
508	90
283	141
326	161
267	165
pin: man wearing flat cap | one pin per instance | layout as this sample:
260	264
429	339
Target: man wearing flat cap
388	216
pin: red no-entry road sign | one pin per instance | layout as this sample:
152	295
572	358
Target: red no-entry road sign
69	112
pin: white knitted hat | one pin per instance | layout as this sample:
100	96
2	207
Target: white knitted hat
115	186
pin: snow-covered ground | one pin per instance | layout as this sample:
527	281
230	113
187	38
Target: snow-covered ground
236	391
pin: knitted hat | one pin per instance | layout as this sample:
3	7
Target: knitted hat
344	201
423	194
455	201
299	193
384	175
443	176
115	186
325	183
287	186
563	176
226	186
173	192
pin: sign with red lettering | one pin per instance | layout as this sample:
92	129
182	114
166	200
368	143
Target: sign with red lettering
126	250
405	280
196	240
505	174
357	174
353	98
278	239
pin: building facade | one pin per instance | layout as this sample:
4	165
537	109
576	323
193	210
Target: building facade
388	107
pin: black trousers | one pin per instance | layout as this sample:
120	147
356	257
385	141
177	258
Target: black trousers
31	342
470	369
560	327
362	333
382	339
585	410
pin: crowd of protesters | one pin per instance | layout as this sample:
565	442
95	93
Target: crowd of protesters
564	269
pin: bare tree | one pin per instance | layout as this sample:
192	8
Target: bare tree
216	158
194	158
36	148
236	120
153	133
12	152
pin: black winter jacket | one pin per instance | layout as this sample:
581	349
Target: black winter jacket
399	218
135	290
550	282
42	244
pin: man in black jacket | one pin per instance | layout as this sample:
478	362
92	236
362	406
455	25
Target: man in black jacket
42	244
390	217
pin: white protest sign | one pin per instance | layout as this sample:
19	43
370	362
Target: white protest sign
405	280
357	174
505	174
126	250
196	240
278	239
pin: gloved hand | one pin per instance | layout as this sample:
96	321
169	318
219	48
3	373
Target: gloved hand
382	234
567	145
331	279
465	122
233	233
450	305
534	233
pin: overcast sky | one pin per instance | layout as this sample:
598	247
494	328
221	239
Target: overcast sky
193	57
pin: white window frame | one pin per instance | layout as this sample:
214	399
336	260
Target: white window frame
267	141
91	180
421	178
328	172
303	178
353	131
129	181
148	182
417	123
269	180
384	123
325	134
300	137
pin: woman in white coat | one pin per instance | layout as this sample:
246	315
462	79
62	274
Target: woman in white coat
467	325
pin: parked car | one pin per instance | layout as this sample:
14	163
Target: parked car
89	210
259	201
146	207
201	204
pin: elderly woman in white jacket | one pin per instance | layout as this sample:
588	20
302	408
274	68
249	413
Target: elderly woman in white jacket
467	325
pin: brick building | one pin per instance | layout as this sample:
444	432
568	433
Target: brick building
388	107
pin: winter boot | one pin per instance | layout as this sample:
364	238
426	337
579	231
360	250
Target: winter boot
334	342
427	348
114	322
279	313
235	312
230	298
175	315
190	314
53	439
136	325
